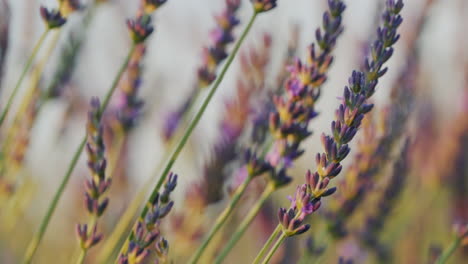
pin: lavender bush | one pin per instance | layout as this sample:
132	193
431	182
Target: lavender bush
389	186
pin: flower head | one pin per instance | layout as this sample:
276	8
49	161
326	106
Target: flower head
147	233
140	28
52	18
263	5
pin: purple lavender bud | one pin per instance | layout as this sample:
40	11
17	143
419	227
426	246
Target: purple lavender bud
329	192
140	28
52	18
102	207
169	187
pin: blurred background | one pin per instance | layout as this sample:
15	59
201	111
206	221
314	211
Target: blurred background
433	37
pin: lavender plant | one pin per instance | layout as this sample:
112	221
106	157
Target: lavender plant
349	115
262	135
289	121
97	185
53	19
374	153
140	29
259	7
146	232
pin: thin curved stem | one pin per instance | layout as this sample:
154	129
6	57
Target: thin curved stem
221	220
129	215
31	58
267	244
53	205
246	222
274	248
448	252
196	119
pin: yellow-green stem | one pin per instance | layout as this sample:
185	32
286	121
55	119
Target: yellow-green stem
221	220
246	222
33	245
267	244
195	120
31	58
448	252
274	248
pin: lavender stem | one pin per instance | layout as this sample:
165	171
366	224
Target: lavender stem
36	240
36	49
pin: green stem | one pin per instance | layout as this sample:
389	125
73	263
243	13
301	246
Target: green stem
195	120
31	58
448	252
246	222
274	248
82	256
33	245
267	244
129	215
221	220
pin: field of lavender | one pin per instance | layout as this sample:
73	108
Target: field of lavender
234	131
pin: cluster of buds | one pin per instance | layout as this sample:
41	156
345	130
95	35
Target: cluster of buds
52	18
98	183
129	105
302	205
263	5
289	122
55	18
141	26
350	113
147	232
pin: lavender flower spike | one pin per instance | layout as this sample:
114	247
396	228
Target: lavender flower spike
129	105
221	36
98	184
348	119
146	233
